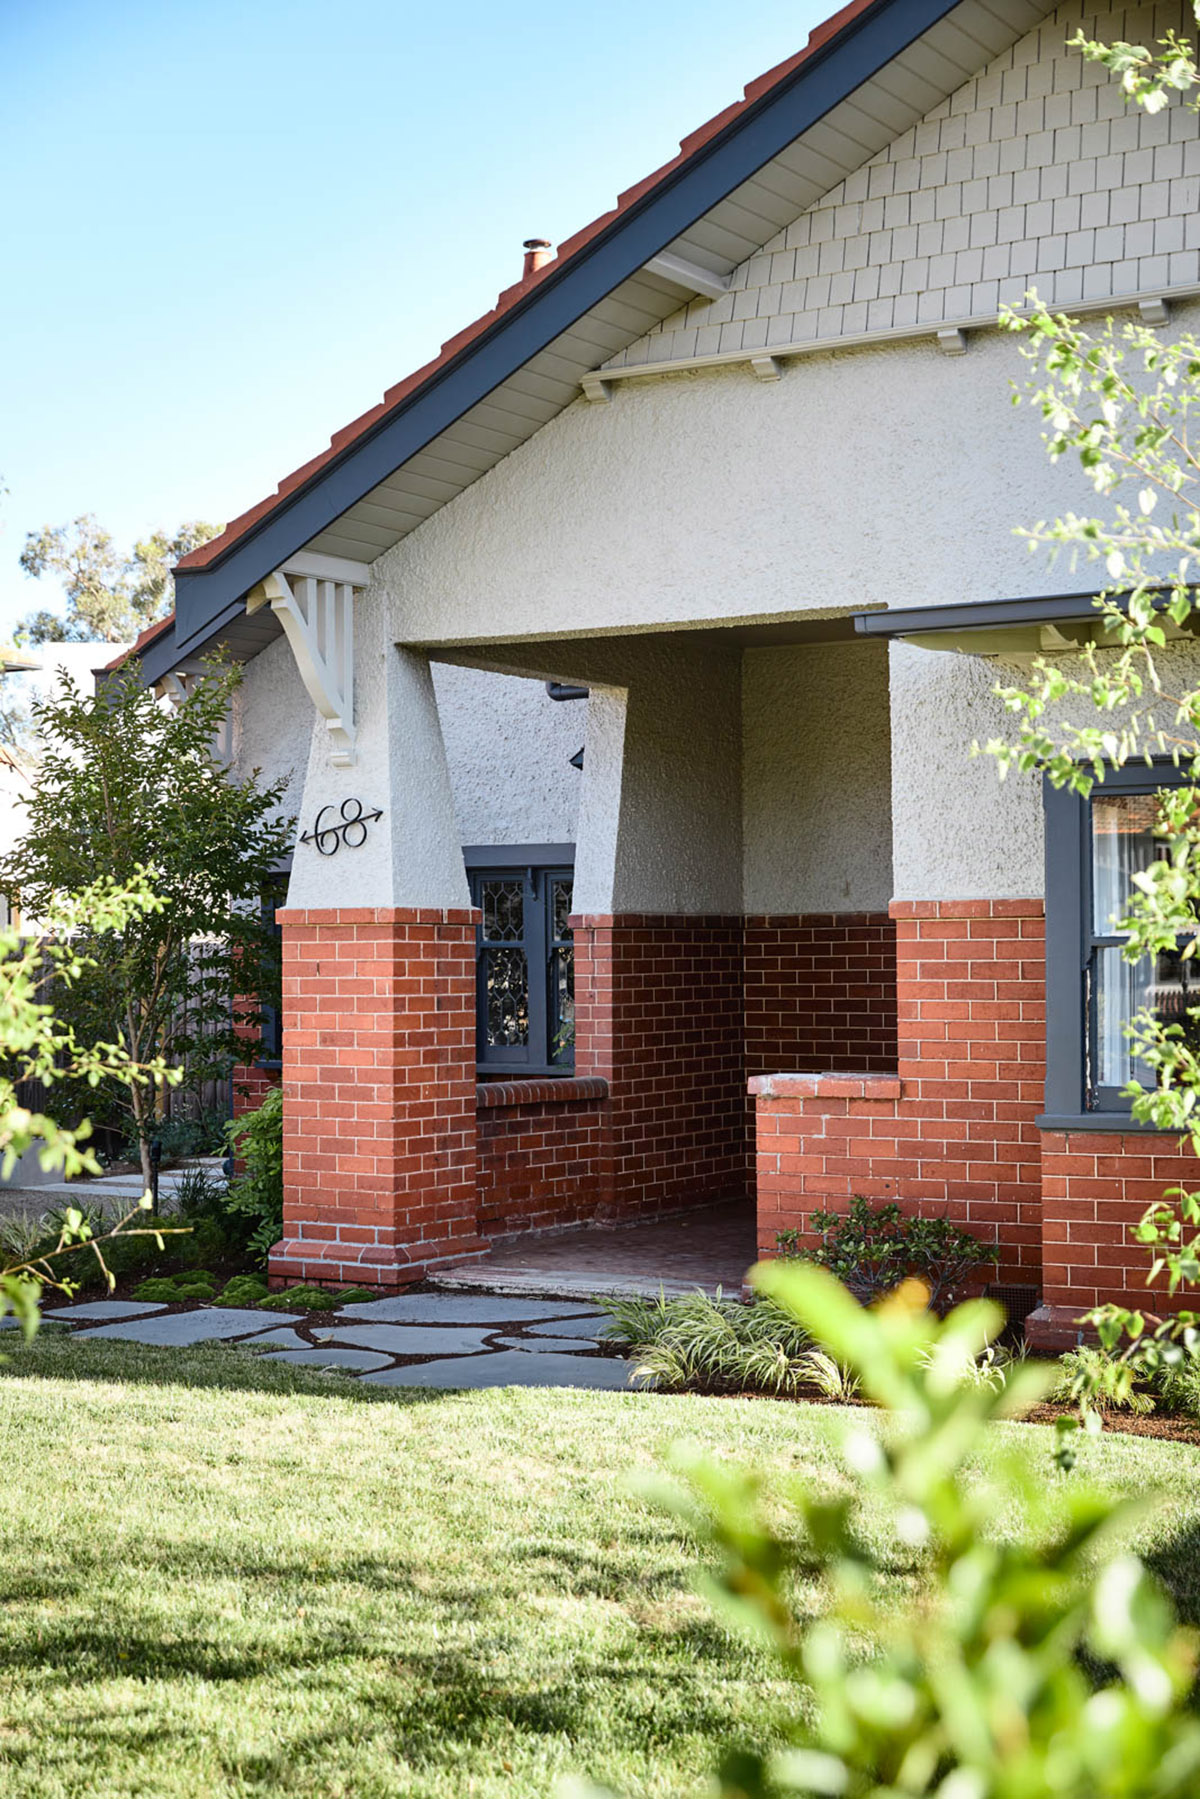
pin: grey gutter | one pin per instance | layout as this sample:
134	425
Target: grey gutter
982	615
821	82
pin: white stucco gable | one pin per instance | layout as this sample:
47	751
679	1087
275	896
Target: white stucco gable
1034	173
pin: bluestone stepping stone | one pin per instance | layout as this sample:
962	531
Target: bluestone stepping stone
283	1339
460	1308
329	1357
508	1368
401	1339
104	1308
544	1345
209	1324
594	1325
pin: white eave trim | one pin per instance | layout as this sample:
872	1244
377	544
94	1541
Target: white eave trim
950	335
688	275
312	596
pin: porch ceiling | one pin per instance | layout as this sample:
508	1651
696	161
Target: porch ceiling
582	657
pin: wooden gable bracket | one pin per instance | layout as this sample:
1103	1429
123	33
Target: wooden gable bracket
313	598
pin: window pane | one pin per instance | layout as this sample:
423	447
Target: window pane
506	979
503	905
1124	843
562	911
1166	986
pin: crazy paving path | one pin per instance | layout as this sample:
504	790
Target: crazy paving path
415	1340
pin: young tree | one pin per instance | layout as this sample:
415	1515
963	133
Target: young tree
37	1044
110	597
127	781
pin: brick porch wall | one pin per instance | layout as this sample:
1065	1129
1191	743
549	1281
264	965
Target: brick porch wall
659	1017
379	1094
957	1137
541	1154
820	992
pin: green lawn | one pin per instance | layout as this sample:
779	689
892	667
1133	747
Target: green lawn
220	1577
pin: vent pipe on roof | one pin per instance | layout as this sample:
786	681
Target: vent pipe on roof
537	255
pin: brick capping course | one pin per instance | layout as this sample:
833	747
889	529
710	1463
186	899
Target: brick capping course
825	1086
552	1091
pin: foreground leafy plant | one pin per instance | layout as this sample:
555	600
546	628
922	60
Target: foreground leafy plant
1047	1668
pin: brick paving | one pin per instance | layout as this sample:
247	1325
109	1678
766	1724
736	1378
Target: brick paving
708	1247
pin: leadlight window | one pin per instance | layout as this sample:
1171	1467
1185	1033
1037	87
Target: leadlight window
525	976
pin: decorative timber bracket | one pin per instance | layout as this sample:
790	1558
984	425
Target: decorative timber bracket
313	598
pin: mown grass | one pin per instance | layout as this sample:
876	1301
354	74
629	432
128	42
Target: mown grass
220	1576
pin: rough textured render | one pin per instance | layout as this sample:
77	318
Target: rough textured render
1034	173
958	831
273	722
816	780
509	746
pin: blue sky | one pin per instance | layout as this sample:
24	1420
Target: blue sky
229	226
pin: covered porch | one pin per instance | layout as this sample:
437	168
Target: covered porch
729	918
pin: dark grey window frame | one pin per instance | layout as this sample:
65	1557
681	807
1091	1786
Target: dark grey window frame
271	1036
538	863
1070	942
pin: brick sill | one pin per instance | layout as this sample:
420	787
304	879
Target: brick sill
559	1091
825	1086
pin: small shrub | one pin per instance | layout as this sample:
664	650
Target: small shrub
257	1195
243	1290
303	1299
1179	1388
872	1249
197	1193
170	1289
1096	1381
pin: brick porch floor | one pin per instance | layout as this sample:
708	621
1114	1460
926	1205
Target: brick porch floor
709	1247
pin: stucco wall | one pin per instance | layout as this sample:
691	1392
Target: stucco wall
816	779
273	722
959	832
1033	172
509	747
891	475
660	819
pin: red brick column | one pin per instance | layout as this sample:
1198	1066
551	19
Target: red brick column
379	1094
1095	1187
659	1017
960	1137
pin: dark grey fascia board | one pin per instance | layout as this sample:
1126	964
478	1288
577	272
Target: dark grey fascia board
820	83
982	615
166	653
519	855
985	615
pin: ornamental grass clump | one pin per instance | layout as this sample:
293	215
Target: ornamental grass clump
697	1343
